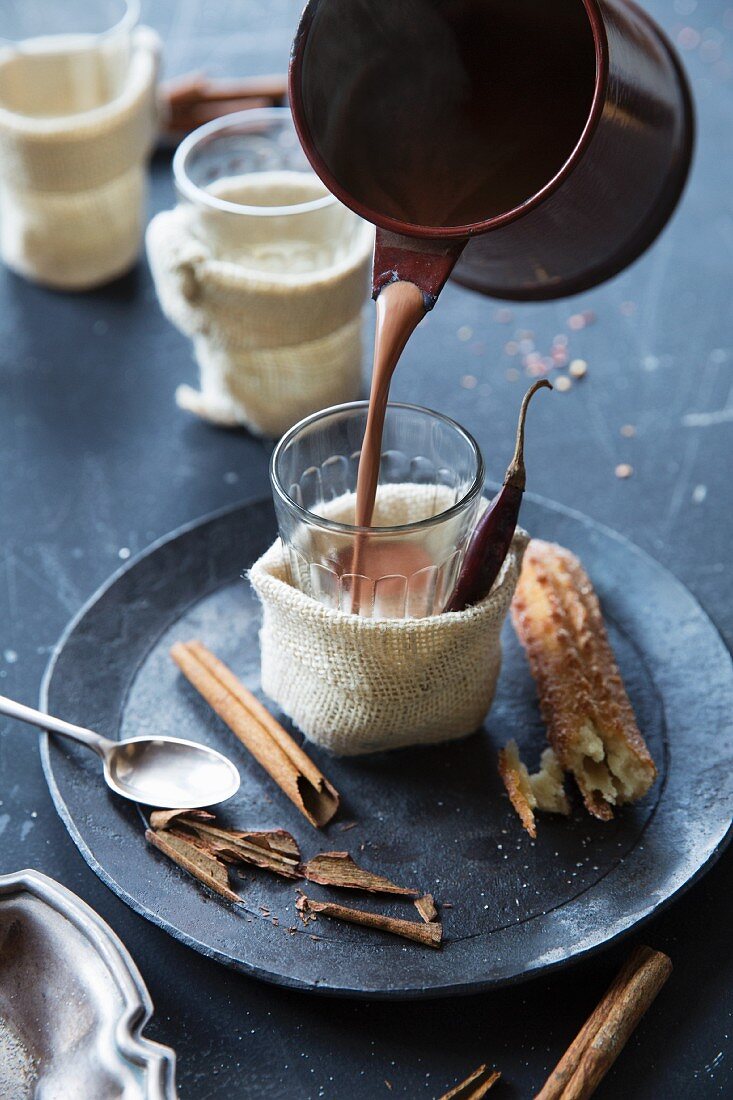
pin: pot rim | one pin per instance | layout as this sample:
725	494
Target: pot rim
428	232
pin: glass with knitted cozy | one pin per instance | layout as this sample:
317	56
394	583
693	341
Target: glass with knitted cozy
430	479
78	120
265	271
58	60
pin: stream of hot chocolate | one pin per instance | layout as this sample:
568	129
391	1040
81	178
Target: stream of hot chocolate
400	308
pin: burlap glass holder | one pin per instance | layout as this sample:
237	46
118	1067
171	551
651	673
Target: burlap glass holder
271	348
355	685
73	187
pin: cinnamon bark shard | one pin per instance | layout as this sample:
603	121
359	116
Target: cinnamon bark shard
197	861
339	869
251	722
426	908
275	849
430	935
161	819
476	1085
302	909
590	721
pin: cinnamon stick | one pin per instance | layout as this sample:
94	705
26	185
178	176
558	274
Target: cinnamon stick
476	1085
609	1027
203	865
272	747
181	120
339	869
192	99
197	87
428	934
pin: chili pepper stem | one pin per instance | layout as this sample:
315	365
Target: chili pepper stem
516	474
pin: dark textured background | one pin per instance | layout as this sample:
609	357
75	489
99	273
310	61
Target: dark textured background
96	462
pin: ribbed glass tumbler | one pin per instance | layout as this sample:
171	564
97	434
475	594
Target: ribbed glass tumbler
430	480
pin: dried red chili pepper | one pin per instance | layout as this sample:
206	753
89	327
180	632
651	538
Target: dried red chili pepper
495	529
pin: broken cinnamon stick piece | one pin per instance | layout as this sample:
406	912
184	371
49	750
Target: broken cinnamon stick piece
161	819
428	934
272	840
199	863
426	908
301	907
476	1085
607	1030
339	869
274	850
272	747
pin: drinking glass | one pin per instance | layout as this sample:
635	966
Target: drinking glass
78	121
265	271
258	203
430	480
59	59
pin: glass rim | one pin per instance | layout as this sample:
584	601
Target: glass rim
217	126
315	520
127	21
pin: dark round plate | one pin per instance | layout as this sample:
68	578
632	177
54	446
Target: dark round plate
435	818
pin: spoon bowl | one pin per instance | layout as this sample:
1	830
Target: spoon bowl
170	773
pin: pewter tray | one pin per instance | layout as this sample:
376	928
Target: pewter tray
72	1003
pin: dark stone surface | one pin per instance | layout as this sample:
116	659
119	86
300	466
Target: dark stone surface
96	460
432	818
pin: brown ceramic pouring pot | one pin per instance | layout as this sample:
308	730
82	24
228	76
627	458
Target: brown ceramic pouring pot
539	146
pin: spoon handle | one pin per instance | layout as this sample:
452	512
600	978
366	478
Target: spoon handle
22	713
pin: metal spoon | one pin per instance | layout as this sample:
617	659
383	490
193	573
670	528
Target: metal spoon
165	772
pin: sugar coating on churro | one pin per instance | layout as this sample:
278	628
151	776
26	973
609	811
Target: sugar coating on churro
590	722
